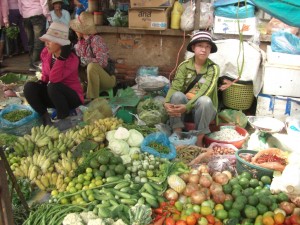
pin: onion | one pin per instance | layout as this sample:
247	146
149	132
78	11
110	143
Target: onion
221	178
195	171
203	168
296	211
206	191
205	181
185	177
171	195
198	197
182	198
10	93
228	173
228	197
215	187
287	207
219	197
194	178
190	188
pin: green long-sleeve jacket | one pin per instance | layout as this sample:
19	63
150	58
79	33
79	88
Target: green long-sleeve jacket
207	85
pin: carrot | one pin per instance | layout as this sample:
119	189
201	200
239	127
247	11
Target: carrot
160	221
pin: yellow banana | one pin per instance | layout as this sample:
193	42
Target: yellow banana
44	180
40	185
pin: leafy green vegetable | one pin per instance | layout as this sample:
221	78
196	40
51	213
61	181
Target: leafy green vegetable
17	115
12	32
7	139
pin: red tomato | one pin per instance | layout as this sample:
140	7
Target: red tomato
180	222
163	204
287	221
295	219
169	221
218	223
191	220
210	219
196	215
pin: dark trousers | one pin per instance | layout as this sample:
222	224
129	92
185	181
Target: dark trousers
41	96
35	27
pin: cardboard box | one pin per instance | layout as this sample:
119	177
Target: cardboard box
281	80
148	18
282	58
279	107
149	3
224	25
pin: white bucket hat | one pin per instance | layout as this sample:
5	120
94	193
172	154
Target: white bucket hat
57	33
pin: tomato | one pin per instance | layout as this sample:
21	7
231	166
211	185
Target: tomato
191	220
180	222
295	219
218	223
279	218
169	221
158	210
210	218
163	204
287	221
196	215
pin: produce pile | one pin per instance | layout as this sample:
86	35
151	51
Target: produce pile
100	174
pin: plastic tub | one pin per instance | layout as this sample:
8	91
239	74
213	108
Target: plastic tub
238	144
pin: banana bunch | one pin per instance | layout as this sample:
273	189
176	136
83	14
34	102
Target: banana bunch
50	181
68	138
24	146
110	123
32	166
66	165
49	131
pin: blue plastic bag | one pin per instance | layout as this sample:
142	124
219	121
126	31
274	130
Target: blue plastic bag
22	126
234	9
161	138
285	42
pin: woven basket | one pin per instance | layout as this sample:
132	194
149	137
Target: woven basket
256	171
238	96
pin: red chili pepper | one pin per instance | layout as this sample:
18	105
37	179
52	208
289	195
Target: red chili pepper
158	210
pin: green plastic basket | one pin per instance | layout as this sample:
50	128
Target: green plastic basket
256	171
238	96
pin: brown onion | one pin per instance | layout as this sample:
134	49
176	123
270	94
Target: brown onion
203	168
171	195
190	188
228	197
288	207
221	178
198	197
185	177
228	173
194	178
205	181
219	197
215	187
206	191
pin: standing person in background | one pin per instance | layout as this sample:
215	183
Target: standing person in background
16	18
3	23
94	55
81	6
35	14
194	88
58	14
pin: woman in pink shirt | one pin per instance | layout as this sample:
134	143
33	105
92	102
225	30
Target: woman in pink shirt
59	86
3	23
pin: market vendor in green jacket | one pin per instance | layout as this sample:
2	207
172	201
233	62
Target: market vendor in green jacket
194	88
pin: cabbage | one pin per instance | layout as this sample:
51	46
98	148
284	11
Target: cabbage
151	118
134	150
110	135
119	147
135	138
121	134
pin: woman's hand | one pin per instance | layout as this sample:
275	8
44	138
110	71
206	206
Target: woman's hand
226	84
175	110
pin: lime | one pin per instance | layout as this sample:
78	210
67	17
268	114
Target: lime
265	200
110	173
261	208
116	160
103	159
227	204
273	206
244	182
253	200
234	181
120	169
234	213
246	174
266	180
248	191
236	193
221	214
94	163
258	188
239	205
64	201
80	178
54	192
227	188
241	198
91	197
250	212
282	197
72	190
265	192
88	170
103	168
254	182
196	208
78	186
237	186
112	167
178	205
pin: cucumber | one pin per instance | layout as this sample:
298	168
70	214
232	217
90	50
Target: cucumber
113	179
156	186
150	189
113	202
84	196
121	194
128	201
152	203
148	196
136	186
104	212
126	189
102	197
104	203
122	184
141	200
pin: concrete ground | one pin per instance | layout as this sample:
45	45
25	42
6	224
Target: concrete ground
16	64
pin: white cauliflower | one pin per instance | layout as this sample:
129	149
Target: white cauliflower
87	216
96	222
119	222
73	219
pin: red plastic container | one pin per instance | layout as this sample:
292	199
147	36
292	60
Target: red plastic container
238	144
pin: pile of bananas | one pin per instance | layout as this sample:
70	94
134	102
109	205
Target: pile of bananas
66	165
50	181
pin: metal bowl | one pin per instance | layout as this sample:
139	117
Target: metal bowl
266	124
151	86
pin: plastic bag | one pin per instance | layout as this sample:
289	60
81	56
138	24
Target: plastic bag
118	20
186	138
233	11
285	42
148	82
147	71
206	15
275	25
233	116
160	138
187	18
22	126
97	109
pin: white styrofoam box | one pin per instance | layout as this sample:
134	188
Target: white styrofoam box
279	107
224	25
281	80
282	58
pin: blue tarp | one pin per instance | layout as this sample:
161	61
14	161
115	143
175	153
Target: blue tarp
287	11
